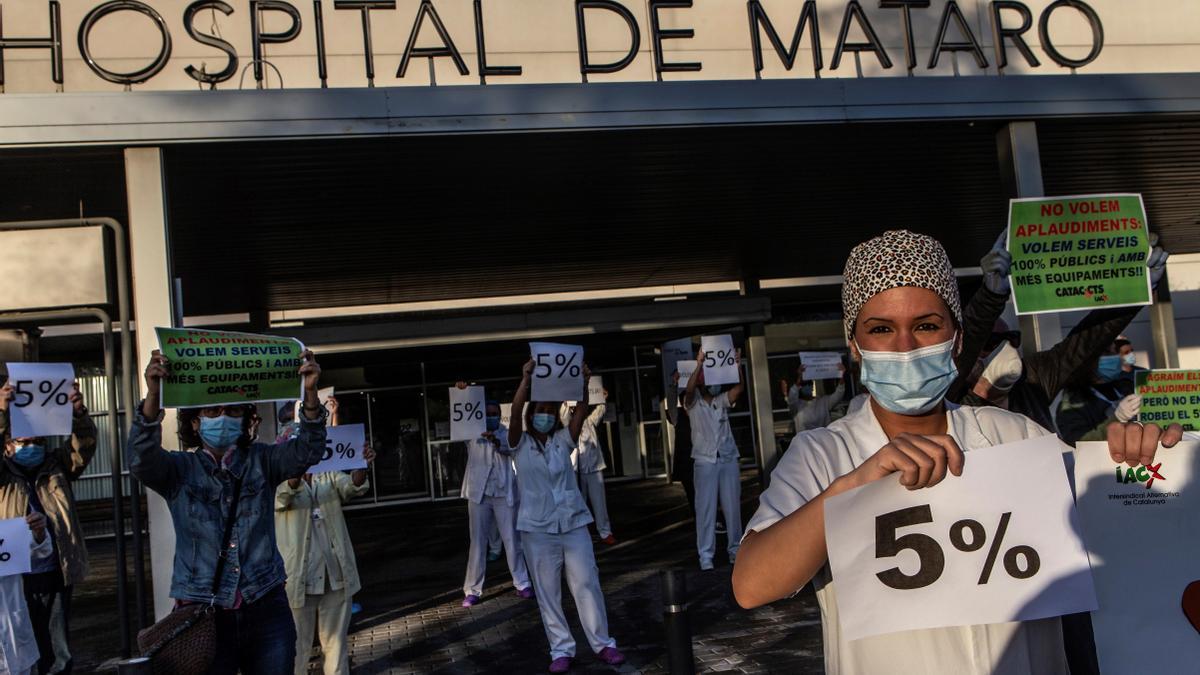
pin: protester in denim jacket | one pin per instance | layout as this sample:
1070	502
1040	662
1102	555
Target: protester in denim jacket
255	631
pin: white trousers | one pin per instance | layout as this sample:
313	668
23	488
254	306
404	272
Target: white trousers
493	511
495	542
717	481
329	615
592	486
547	555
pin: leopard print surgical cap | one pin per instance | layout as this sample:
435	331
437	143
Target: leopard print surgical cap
897	258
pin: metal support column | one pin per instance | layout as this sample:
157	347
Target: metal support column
152	291
1021	171
760	401
126	390
1162	326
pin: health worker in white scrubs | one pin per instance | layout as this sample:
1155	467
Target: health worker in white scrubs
491	493
717	476
588	461
553	520
902	320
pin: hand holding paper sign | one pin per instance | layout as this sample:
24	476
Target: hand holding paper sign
921	461
721	362
1079	252
42	399
37	525
986	551
557	372
1134	443
159	370
15	538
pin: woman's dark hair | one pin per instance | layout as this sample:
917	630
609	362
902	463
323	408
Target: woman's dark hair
190	439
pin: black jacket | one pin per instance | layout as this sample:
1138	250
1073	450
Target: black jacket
1045	373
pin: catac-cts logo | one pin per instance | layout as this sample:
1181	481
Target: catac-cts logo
1142	474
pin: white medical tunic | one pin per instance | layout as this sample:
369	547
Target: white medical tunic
712	438
812	462
550	498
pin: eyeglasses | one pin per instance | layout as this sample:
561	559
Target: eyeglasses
218	410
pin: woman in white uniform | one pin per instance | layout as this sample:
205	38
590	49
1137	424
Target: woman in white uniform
588	460
715	454
553	523
318	556
902	319
18	646
491	495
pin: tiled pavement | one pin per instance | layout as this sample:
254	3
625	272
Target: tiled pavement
411	631
412	560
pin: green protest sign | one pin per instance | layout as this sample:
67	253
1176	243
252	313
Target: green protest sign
1169	397
211	367
1078	252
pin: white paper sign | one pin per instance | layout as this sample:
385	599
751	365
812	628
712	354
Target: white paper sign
557	371
1142	528
15	540
506	415
821	365
997	544
343	449
467	413
42	402
595	390
720	360
685	368
673	352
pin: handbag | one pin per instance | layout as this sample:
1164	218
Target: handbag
185	641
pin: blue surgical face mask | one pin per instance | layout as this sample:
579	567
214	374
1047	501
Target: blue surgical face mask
909	383
1109	367
1129	359
493	423
29	455
714	389
543	422
220	432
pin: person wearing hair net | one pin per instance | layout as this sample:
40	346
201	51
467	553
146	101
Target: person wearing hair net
903	323
490	489
1045	374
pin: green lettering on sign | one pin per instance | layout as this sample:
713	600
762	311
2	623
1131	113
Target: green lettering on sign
1078	252
210	367
1169	397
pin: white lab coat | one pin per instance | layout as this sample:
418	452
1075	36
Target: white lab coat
813	413
588	461
482	458
587	456
814	459
18	647
488	513
716	475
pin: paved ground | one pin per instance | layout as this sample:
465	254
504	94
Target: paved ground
412	559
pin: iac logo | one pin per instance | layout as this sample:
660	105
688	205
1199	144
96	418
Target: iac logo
1142	474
